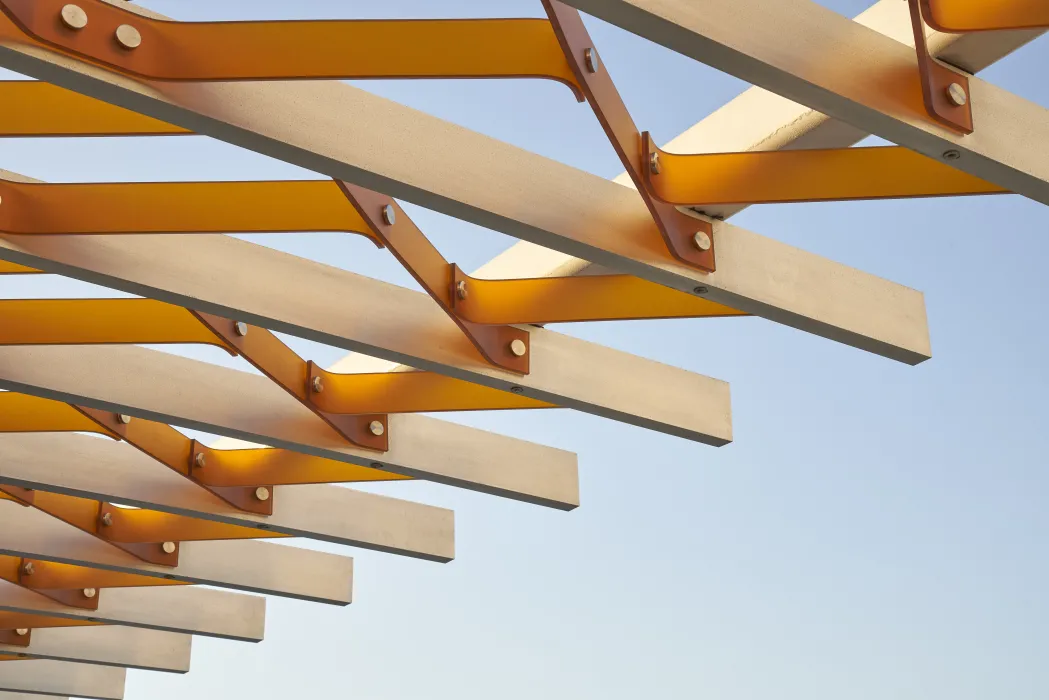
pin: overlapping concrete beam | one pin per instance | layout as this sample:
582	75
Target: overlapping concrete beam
423	159
78	465
185	609
108	645
247	565
63	678
817	57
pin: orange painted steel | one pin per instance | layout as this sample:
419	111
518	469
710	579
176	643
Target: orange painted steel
936	78
10	268
51	575
677	229
262	466
960	16
306	49
581	298
15	637
12	620
431	270
759	177
177	207
36	108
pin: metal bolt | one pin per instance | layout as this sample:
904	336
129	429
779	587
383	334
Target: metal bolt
200	460
701	240
73	16
518	347
317	384
128	37
376	465
460	289
956	95
124	418
28	568
517	389
952	154
90	592
376	428
21	631
700	290
107	519
389	215
653	163
593	63
240	328
262	493
168	547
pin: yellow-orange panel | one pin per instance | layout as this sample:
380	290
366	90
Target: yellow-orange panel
959	16
21	413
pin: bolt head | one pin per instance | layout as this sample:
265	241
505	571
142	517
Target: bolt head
28	568
956	95
317	384
517	389
701	240
128	37
593	63
200	460
90	592
107	519
952	154
240	328
124	418
262	493
21	631
460	289
653	163
518	347
389	215
168	547
376	465
700	290
376	428
73	16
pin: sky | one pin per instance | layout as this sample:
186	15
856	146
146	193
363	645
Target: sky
875	531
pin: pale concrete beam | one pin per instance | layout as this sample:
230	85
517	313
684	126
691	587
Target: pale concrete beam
109	645
62	678
248	565
186	609
341	131
817	57
83	466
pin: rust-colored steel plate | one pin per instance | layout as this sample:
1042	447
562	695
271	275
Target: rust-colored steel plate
960	16
937	78
305	49
678	230
11	637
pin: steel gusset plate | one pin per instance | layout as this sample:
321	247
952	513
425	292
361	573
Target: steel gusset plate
961	16
29	577
16	637
678	230
945	91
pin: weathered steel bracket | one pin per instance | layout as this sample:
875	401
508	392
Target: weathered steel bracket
24	497
288	50
945	91
32	575
503	346
20	637
179	453
689	240
804	175
962	16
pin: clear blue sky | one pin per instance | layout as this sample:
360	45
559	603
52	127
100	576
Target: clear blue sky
876	531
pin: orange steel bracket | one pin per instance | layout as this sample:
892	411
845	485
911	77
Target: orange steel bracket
18	637
944	91
503	346
960	16
25	575
807	175
689	240
288	50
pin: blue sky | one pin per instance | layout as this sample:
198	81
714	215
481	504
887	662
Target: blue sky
875	531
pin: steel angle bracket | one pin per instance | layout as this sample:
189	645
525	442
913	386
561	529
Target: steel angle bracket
180	454
155	49
962	16
804	175
945	91
20	637
31	575
501	345
689	240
